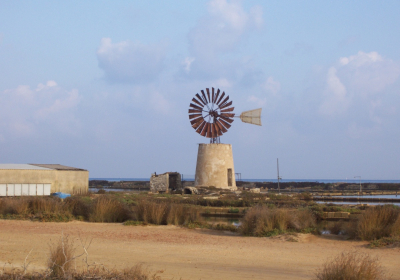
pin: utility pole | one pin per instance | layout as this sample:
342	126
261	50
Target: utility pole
277	166
360	184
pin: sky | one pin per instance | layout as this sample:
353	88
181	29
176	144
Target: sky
106	85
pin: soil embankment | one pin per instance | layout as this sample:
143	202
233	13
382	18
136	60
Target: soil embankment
183	253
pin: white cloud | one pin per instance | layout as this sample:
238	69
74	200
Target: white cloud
187	63
336	95
272	86
362	79
130	62
218	33
24	111
260	102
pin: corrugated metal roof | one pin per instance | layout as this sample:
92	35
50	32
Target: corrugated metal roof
58	167
22	166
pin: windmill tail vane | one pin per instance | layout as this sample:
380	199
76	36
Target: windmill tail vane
211	114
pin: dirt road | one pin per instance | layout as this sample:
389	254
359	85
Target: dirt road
183	253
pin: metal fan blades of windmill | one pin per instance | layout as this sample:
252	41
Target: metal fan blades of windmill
252	116
211	114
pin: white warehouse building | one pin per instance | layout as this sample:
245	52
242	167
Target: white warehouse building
42	179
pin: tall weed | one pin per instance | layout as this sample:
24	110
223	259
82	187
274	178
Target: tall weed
351	266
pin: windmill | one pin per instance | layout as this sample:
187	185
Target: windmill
211	115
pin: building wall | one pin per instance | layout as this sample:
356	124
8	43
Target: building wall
213	162
159	183
66	181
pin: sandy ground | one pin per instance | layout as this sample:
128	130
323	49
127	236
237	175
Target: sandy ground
183	253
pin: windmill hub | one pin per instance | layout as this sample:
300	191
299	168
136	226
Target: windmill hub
211	115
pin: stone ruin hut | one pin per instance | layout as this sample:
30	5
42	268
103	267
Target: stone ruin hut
166	182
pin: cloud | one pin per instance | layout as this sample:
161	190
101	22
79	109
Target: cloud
220	32
48	108
362	79
224	26
128	62
260	102
272	86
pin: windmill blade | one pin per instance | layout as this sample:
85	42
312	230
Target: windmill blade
228	110
213	96
214	130
195	116
223	129
222	96
224	123
201	99
223	102
195	111
198	120
204	131
209	132
200	128
226	115
196	107
204	96
197	124
229	120
197	102
208	94
226	105
216	97
252	116
217	129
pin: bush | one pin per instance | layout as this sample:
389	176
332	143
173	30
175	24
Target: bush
18	206
61	256
351	266
107	209
162	213
261	220
378	222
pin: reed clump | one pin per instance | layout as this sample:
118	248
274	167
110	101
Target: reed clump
61	256
377	222
351	266
264	221
163	213
18	206
107	209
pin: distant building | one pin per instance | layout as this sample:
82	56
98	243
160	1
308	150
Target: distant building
165	182
42	179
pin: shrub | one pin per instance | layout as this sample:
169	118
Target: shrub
261	220
351	266
14	206
77	206
107	209
61	256
378	222
162	213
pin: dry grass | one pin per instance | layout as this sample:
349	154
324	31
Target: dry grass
162	213
351	266
18	206
377	222
262	221
61	256
107	209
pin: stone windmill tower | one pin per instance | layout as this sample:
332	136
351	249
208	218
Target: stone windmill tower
211	115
